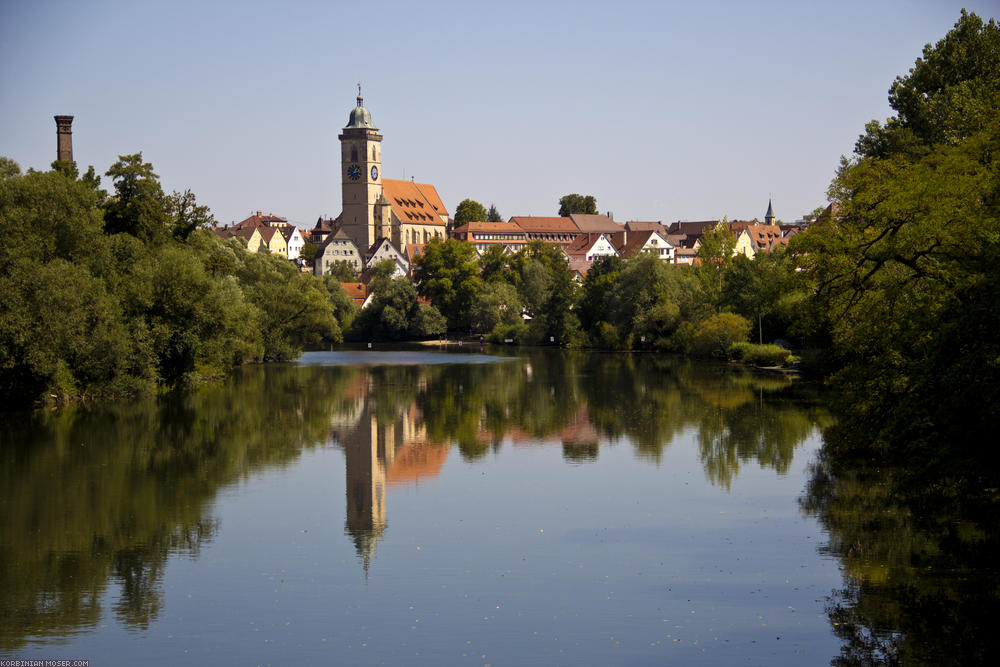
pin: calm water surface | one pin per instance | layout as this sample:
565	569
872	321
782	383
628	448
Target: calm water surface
424	508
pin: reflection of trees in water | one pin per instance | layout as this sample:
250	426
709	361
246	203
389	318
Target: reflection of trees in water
105	494
922	584
134	481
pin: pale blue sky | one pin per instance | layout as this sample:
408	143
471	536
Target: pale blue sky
662	110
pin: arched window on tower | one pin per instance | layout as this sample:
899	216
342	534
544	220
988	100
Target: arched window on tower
373	153
354	153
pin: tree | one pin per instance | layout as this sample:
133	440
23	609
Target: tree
392	310
308	252
9	168
904	274
755	287
574	203
493	215
947	96
186	215
447	273
717	247
343	271
137	207
469	210
496	304
495	265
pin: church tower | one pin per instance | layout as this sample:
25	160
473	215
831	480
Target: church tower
769	216
361	176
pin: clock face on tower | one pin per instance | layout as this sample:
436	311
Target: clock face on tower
354	172
374	173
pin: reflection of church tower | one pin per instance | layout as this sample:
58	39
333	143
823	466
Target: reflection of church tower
361	185
369	452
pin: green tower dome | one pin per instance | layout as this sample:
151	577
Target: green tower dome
360	116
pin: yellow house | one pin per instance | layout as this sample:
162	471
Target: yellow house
273	240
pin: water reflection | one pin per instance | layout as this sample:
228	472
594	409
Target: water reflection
95	500
921	577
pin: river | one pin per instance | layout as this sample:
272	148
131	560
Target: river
427	508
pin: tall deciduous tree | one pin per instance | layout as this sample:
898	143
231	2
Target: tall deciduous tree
948	94
469	210
137	206
904	273
447	273
575	203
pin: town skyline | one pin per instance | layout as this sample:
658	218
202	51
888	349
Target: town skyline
683	115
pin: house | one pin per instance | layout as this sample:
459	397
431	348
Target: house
272	239
588	246
323	228
336	248
554	230
384	249
293	241
357	291
484	235
260	231
650	242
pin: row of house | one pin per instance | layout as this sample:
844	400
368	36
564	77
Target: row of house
582	238
261	231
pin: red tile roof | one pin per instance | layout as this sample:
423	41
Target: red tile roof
414	203
543	225
357	291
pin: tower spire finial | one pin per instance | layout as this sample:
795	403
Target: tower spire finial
360	99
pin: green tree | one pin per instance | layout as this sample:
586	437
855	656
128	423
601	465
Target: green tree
493	215
308	251
903	275
343	271
186	215
469	210
447	273
495	265
497	304
574	203
137	206
948	95
716	250
393	307
9	168
755	287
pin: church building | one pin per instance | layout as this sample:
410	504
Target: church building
377	208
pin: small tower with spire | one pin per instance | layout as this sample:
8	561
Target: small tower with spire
769	216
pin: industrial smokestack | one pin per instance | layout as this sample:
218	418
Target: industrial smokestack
64	138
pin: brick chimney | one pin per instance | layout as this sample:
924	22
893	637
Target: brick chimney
64	138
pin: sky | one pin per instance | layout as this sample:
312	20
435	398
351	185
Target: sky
661	110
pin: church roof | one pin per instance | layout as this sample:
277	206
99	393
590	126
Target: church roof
414	203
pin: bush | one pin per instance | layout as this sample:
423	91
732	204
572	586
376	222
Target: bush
760	355
502	332
714	336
